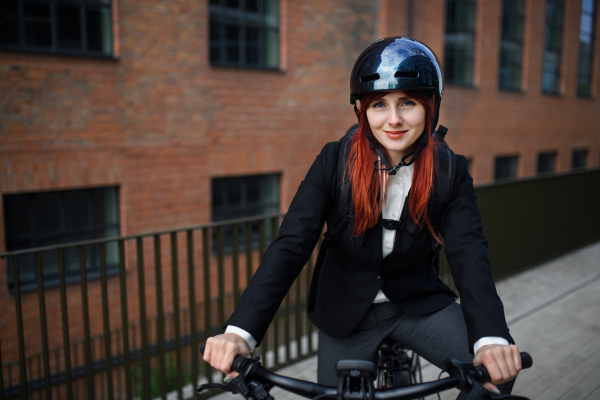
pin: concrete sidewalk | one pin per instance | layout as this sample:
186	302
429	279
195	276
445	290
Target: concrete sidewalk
553	312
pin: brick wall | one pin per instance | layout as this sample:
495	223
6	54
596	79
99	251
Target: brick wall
160	122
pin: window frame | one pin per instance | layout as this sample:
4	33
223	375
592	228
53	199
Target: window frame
450	55
60	236
590	59
220	18
505	40
54	49
553	47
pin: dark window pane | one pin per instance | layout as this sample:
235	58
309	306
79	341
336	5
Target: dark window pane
245	196
17	215
511	44
252	191
244	33
57	26
232	48
68	23
47	211
215	42
77	209
37	24
271	13
105	206
252	46
553	37
99	36
232	10
52	218
506	167
586	48
460	41
546	163
579	159
9	31
271	48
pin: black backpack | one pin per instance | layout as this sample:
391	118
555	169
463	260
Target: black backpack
342	213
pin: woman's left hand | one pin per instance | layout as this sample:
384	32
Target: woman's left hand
503	363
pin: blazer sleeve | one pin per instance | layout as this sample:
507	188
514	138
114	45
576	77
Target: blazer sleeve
288	253
467	255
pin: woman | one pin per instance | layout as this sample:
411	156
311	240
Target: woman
377	282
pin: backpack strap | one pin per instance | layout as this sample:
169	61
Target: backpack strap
342	212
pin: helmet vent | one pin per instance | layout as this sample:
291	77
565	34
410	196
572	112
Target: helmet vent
369	78
406	74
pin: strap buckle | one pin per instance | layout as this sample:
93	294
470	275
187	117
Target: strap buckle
390	224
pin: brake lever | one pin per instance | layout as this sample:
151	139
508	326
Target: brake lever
251	390
210	386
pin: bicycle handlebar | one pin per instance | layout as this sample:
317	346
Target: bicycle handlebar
254	370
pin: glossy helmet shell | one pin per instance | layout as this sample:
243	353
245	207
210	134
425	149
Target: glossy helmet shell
397	63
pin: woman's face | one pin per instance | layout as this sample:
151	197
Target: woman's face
397	121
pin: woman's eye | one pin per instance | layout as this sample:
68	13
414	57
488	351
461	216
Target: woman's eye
409	103
378	105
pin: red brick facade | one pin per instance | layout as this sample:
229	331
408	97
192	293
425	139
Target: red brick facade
159	121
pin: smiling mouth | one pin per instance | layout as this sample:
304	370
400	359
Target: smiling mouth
395	134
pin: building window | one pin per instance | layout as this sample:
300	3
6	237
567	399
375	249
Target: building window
74	27
553	41
546	163
586	48
511	44
579	159
244	196
459	54
52	218
244	33
506	167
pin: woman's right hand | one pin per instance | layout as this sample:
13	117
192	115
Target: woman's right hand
220	351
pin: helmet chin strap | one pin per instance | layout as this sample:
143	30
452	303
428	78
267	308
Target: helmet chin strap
421	143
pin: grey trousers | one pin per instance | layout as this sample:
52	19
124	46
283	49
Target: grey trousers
435	337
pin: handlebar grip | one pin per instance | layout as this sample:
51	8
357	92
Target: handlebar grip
202	347
526	360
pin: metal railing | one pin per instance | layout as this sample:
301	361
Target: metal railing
530	221
136	333
140	336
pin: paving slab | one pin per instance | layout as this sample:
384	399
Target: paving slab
553	311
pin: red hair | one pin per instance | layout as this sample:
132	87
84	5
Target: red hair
364	177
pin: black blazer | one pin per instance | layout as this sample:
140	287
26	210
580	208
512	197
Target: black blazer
352	274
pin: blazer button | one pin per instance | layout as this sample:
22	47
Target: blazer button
378	276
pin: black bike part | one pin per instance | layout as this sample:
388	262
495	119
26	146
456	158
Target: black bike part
355	379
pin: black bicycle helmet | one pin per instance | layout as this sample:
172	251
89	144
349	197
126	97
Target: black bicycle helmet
398	63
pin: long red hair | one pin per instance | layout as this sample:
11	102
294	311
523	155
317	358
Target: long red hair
365	179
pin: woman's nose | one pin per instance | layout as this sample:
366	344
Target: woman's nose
395	118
